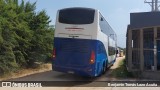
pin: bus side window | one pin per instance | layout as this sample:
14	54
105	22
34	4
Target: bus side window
101	19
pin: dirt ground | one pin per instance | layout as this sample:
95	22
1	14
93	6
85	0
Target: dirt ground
44	68
48	67
116	64
26	72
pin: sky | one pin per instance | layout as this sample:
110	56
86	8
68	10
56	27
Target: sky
116	12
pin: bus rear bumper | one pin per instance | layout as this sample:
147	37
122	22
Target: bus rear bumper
85	71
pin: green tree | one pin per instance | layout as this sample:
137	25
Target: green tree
42	38
25	36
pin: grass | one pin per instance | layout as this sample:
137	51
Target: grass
121	71
25	72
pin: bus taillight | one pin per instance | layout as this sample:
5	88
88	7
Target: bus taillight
54	53
92	59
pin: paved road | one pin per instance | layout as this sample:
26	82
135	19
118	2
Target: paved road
58	76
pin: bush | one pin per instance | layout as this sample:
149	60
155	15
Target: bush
121	71
25	36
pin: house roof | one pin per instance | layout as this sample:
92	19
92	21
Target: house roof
144	19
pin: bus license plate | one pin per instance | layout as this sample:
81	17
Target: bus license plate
71	72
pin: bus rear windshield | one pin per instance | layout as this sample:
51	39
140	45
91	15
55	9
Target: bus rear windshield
76	16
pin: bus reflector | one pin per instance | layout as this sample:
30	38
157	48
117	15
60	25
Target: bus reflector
92	59
75	28
54	53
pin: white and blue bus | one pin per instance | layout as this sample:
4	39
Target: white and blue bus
84	42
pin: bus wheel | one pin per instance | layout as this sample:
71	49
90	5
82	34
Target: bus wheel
104	68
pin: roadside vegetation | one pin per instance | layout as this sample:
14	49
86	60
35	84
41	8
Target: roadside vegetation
121	71
25	36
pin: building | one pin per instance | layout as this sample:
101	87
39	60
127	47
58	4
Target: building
143	44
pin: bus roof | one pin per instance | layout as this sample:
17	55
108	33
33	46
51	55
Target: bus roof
78	8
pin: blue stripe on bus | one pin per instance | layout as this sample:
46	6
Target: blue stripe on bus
73	55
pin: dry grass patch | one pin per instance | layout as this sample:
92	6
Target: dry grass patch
28	71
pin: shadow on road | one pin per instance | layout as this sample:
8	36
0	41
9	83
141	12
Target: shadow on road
53	78
69	80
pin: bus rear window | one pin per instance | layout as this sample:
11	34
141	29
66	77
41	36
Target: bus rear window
76	16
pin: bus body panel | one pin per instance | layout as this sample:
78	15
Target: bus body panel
108	37
88	31
110	59
78	62
74	44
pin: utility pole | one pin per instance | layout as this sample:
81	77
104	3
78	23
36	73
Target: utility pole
154	5
153	8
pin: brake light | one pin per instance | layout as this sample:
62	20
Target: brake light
54	53
92	59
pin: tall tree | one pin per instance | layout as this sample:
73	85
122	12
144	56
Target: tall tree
25	36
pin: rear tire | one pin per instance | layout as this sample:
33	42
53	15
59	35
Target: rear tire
104	68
